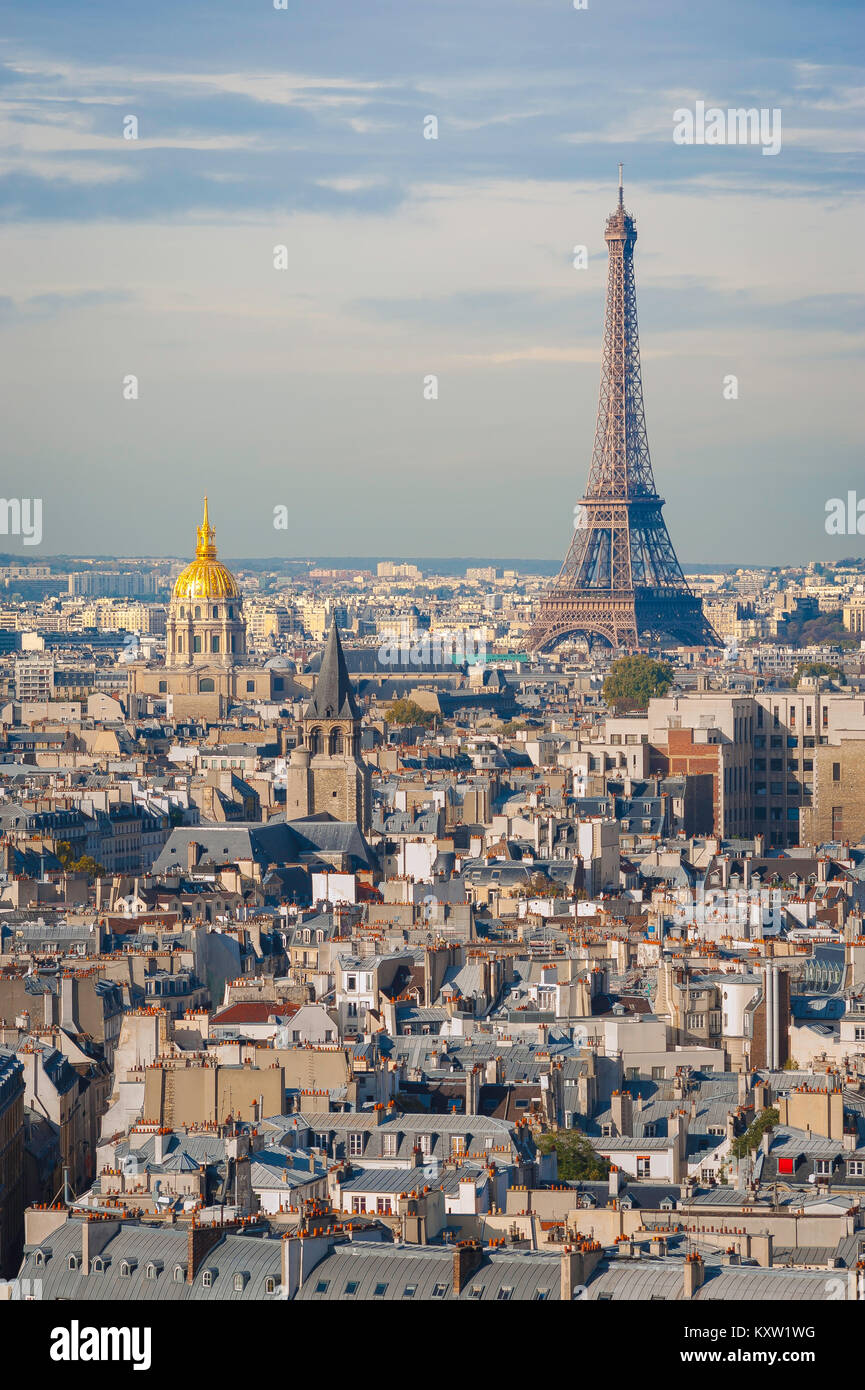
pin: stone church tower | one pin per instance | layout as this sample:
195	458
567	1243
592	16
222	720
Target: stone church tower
326	772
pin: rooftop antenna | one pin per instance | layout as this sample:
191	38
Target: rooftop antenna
621	186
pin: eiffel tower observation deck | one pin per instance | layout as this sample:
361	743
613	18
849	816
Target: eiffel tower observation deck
621	582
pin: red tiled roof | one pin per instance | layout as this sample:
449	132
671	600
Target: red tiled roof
254	1011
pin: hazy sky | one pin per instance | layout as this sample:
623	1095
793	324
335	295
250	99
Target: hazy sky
407	257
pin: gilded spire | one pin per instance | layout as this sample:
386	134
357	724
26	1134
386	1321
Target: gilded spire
205	548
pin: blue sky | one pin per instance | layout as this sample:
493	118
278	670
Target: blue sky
409	257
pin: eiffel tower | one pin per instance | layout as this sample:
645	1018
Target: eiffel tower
621	581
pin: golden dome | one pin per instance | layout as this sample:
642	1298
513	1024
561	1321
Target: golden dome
206	577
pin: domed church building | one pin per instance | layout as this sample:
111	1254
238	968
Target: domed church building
205	669
205	624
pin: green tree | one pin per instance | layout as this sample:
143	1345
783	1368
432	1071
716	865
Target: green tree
405	711
817	668
747	1142
64	853
89	866
541	886
578	1161
86	864
634	680
510	728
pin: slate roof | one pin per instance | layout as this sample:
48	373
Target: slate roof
388	1272
664	1279
333	697
276	841
254	1256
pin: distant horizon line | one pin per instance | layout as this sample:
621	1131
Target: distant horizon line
356	561
422	561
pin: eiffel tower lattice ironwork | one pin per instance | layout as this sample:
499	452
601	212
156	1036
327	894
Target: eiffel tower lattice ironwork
621	581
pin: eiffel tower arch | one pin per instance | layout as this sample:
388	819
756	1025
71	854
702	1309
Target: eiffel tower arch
621	581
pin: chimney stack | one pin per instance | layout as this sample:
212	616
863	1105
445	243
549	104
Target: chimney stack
694	1274
467	1260
622	1106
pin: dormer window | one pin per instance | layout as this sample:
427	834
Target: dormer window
207	1279
72	1262
179	1274
125	1269
98	1265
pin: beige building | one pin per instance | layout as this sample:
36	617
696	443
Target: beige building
837	810
854	615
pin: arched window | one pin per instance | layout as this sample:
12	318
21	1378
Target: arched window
270	1286
181	610
315	741
334	742
215	612
179	1274
197	610
214	643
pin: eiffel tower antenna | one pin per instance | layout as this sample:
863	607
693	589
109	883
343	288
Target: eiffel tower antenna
621	581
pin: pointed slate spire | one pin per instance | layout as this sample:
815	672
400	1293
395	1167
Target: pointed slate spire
333	697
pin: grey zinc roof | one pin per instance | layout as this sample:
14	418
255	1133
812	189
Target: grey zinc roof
665	1279
257	1257
398	1267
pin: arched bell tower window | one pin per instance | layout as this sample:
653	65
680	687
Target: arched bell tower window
315	741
